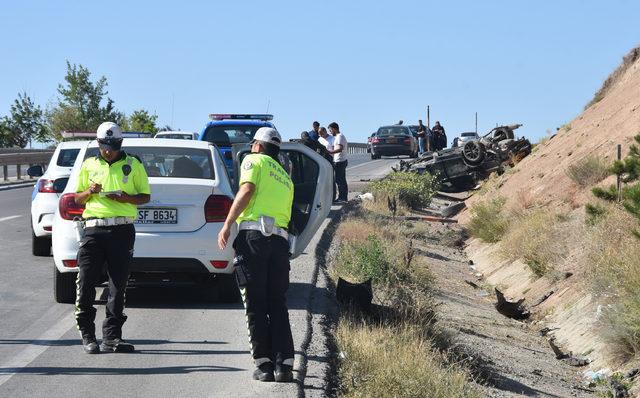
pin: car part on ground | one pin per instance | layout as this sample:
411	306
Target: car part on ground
461	168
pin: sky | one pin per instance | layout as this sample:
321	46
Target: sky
359	63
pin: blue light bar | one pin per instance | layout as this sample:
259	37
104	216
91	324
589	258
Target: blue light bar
236	116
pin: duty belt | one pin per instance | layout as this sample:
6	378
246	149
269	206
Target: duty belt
255	226
108	222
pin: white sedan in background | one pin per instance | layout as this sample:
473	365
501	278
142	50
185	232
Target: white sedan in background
176	232
46	192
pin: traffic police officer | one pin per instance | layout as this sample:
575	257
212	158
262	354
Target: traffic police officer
262	209
110	186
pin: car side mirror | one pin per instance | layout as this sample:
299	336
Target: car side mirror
35	171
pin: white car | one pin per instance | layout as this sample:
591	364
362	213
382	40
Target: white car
47	190
465	137
177	135
191	193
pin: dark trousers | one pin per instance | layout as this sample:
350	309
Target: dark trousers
264	296
111	247
341	179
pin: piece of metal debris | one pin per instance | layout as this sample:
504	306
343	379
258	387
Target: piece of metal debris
510	309
543	298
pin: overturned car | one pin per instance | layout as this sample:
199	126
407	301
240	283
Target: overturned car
461	168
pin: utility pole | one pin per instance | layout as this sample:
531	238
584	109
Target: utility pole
476	122
428	115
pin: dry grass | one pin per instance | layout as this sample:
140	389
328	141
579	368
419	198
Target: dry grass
488	220
614	258
628	60
539	238
355	230
588	171
383	361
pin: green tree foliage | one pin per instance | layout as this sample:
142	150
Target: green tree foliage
142	121
628	169
81	105
25	123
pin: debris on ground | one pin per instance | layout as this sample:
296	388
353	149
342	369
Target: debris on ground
569	358
543	298
358	295
510	309
461	168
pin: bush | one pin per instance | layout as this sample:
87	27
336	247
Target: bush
383	361
488	220
360	261
412	190
537	238
588	171
614	256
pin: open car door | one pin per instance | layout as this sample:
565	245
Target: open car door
312	177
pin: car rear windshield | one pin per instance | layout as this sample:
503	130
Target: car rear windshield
227	135
171	162
394	130
67	157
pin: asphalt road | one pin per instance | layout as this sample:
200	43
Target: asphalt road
185	347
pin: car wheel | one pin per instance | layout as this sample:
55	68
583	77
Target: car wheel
40	246
64	286
473	152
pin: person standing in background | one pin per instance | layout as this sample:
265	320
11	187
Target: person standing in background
340	162
313	134
439	137
422	137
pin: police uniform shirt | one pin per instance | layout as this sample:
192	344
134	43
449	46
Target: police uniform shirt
273	196
126	174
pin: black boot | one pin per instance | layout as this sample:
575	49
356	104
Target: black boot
116	345
89	344
264	372
284	373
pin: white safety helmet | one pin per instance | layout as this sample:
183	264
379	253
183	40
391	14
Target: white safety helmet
269	135
109	136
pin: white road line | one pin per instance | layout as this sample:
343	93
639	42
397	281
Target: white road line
9	218
364	164
31	352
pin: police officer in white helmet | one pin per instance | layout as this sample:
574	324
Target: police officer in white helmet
262	209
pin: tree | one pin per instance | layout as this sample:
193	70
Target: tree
80	107
628	169
25	123
142	121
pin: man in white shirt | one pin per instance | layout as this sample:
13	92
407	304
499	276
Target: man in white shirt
339	152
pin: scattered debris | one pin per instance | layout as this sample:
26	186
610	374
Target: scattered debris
537	372
365	196
472	284
543	298
510	309
358	295
546	330
632	373
470	262
461	168
568	275
431	219
618	390
569	358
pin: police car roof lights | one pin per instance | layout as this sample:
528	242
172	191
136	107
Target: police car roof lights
236	116
92	134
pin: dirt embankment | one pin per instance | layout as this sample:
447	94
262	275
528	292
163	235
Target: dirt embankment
542	180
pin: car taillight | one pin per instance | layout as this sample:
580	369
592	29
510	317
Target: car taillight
69	209
216	208
375	140
219	264
70	263
407	141
46	186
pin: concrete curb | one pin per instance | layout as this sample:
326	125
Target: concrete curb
15	185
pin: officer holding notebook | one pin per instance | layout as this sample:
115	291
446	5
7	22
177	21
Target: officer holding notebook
262	209
110	185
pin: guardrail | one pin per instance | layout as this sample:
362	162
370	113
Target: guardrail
21	157
356	148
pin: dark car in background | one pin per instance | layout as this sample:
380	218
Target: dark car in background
393	140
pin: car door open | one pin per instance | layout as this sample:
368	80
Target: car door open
312	177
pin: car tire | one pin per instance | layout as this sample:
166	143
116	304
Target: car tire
40	246
64	286
473	152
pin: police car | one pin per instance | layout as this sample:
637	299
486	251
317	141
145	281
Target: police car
226	130
191	193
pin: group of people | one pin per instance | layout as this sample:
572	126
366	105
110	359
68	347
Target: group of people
431	139
333	146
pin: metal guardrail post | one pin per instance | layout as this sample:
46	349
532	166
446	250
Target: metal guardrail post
5	171
18	172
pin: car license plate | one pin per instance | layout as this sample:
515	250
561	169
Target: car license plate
391	140
157	215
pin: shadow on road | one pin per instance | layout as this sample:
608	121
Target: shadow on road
163	370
